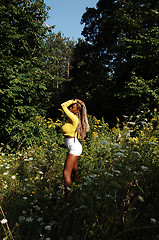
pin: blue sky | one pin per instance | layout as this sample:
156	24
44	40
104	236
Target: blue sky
67	14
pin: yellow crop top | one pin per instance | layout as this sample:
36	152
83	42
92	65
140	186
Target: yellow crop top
70	126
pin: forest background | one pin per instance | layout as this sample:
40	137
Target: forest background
114	70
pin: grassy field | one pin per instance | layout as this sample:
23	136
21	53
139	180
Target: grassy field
117	196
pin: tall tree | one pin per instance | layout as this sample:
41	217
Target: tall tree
59	56
23	90
123	36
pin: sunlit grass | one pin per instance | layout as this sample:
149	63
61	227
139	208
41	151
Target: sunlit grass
117	195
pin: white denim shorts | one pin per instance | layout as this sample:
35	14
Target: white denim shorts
74	146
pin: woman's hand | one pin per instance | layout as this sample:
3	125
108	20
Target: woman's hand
80	101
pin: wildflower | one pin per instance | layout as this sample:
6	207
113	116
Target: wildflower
119	154
6	173
117	145
25	198
26	159
144	168
36	207
94	134
48	228
29	219
107	195
39	219
69	189
108	174
13	177
116	171
8	167
153	143
4	221
93	176
119	136
21	218
143	123
137	154
140	198
153	220
132	123
104	142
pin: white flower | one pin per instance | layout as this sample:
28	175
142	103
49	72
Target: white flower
143	123
3	221
36	207
6	173
140	198
48	228
137	154
8	167
39	219
117	145
93	176
26	159
108	174
144	168
21	218
25	198
132	123
119	154
13	177
153	143
29	219
116	171
153	220
107	195
104	142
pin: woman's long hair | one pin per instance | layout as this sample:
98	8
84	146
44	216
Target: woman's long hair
83	126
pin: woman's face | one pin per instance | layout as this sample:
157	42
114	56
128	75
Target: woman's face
74	109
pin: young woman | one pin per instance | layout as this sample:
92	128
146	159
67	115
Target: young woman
75	127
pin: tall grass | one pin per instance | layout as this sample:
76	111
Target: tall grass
117	197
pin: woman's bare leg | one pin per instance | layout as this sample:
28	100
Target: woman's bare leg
69	166
75	172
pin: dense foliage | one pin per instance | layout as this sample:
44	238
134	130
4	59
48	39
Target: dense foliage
117	196
32	60
119	59
23	89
